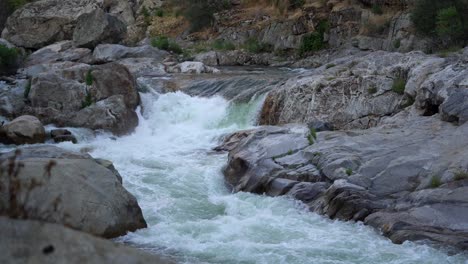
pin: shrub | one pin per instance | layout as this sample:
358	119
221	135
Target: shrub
461	175
294	4
314	41
164	43
8	59
331	65
399	85
349	171
312	136
377	9
435	182
15	4
449	24
372	90
397	43
442	20
27	89
89	78
200	13
220	44
159	12
255	46
88	101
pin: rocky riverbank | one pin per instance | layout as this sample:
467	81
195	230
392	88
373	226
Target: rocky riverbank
397	166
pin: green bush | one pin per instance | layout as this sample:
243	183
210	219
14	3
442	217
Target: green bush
8	59
159	12
314	41
461	175
164	43
372	90
435	182
399	85
445	20
255	46
449	24
89	78
15	4
294	4
349	171
377	9
27	89
221	44
88	101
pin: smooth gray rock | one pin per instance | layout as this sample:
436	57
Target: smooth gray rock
26	241
396	177
114	52
60	51
23	130
58	186
98	27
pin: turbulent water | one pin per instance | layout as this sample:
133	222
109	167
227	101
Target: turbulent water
169	166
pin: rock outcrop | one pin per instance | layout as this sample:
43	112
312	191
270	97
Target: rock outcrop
50	243
407	177
53	185
357	91
41	23
98	27
61	96
23	130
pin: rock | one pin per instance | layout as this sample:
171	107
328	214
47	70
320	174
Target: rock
140	67
62	135
110	114
113	52
41	23
45	22
12	98
382	175
6	43
61	97
60	51
356	90
23	130
98	27
41	242
71	189
192	67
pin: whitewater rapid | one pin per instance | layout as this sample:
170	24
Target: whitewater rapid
169	165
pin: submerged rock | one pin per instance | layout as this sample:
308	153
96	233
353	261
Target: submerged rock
62	135
50	184
41	242
23	130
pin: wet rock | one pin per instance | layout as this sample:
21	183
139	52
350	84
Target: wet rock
41	242
383	175
62	135
23	130
98	27
71	189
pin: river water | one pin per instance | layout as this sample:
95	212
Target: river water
169	165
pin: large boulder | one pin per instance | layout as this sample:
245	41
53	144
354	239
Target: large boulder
41	242
98	27
61	96
23	130
50	184
44	22
41	23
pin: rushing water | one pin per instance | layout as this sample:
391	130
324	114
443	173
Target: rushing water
169	166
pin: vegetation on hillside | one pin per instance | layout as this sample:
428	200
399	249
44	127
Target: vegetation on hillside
8	59
445	21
